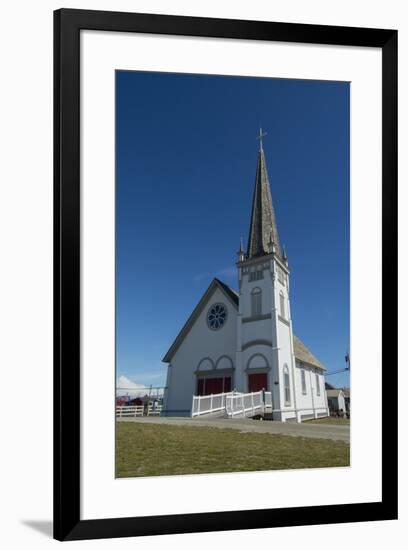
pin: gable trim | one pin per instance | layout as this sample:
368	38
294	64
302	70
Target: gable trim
232	298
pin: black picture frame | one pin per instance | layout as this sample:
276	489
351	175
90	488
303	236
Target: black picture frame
67	26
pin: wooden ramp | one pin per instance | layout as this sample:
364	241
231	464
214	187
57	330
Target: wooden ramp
232	404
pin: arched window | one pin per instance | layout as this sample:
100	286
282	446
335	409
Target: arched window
257	361
224	362
282	304
317	384
286	384
206	364
256	301
303	378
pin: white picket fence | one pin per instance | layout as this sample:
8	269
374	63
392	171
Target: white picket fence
231	404
138	410
129	411
154	410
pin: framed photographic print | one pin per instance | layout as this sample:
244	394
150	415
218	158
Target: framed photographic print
225	274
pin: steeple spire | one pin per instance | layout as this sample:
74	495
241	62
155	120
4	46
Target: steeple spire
263	231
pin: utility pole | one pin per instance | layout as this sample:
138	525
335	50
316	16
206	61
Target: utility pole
347	359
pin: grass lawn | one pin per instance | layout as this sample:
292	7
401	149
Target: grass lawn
330	420
152	450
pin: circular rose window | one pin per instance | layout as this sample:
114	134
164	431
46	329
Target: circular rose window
217	316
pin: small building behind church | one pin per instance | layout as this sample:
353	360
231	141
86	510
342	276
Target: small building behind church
243	340
336	400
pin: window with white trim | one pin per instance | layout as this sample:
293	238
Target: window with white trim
281	275
282	304
317	384
256	275
303	379
286	383
256	302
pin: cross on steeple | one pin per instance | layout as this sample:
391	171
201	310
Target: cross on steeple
261	135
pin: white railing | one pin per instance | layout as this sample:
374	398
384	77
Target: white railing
208	404
129	411
231	404
154	410
139	410
268	400
247	404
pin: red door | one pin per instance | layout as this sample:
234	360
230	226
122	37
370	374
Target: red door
213	385
257	382
206	386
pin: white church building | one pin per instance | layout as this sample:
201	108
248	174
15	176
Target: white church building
243	340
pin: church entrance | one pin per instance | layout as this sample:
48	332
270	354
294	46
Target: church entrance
257	381
207	386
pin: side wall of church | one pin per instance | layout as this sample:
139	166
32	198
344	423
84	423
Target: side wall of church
285	362
201	343
311	397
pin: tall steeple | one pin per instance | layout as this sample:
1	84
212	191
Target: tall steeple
263	232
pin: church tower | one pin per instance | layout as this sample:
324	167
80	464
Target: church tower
265	354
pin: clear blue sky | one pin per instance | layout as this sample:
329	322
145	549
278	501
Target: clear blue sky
185	168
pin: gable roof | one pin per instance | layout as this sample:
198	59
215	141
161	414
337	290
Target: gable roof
229	291
215	283
304	354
